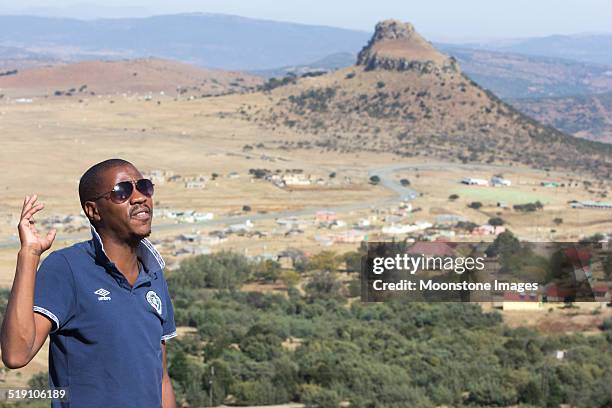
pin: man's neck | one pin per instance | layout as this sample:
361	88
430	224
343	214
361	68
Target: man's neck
122	254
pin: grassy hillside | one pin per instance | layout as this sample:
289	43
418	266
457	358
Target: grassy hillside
587	116
405	97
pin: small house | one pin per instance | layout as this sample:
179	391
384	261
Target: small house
500	182
470	181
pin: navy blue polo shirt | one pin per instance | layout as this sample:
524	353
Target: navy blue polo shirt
105	341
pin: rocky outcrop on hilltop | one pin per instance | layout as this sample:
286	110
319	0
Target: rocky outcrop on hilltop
396	46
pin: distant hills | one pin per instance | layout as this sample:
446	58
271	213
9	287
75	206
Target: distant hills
529	68
238	43
593	48
405	97
210	40
588	116
511	75
143	76
328	63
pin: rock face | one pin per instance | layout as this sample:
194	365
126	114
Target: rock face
396	46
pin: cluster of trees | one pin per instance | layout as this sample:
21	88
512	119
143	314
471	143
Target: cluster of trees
379	355
529	207
262	173
316	347
273	83
9	72
315	100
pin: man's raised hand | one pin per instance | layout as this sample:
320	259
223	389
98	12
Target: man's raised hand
28	235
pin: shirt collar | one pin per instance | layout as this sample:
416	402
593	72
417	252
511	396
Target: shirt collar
146	252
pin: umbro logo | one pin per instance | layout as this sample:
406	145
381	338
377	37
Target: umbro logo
102	294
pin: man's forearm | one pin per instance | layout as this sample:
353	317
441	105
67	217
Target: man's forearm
18	328
168	398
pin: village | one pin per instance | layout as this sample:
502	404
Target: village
401	219
182	232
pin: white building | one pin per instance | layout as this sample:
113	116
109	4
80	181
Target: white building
295	180
406	228
241	227
474	181
195	185
500	182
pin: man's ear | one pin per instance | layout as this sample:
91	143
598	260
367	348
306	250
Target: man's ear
91	211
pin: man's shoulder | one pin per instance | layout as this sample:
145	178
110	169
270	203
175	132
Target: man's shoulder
78	251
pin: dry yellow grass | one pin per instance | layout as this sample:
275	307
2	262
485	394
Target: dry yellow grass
48	144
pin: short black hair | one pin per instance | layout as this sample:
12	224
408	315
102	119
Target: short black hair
91	180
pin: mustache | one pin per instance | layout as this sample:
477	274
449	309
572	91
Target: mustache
139	208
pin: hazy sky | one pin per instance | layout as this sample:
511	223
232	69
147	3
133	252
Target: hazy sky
442	20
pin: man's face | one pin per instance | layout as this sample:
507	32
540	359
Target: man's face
130	220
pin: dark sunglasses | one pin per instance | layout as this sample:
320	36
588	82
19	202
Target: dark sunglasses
124	189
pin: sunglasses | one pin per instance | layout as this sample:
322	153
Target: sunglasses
124	189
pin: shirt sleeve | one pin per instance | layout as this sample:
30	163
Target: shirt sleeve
169	327
54	291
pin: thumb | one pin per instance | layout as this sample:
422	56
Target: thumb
51	235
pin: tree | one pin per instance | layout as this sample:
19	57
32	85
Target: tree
475	205
374	180
405	182
222	270
352	260
324	285
496	221
290	278
268	270
217	376
324	261
39	381
504	245
321	398
453	197
259	173
188	375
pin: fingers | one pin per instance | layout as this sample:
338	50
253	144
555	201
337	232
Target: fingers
26	224
28	202
33	210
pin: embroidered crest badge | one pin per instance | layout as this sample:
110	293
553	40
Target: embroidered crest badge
154	301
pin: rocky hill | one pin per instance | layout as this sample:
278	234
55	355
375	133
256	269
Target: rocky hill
508	75
406	97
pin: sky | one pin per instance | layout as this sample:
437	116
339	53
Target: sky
439	20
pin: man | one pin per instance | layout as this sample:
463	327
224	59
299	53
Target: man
104	302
